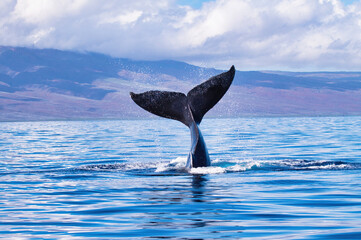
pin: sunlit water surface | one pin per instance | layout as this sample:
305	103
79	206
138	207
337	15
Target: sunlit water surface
271	178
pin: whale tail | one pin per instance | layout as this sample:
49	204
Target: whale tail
190	108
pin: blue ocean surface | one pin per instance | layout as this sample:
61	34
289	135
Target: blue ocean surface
271	178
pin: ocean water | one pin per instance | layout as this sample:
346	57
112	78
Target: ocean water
271	178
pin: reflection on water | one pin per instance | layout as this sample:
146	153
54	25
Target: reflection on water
275	178
198	184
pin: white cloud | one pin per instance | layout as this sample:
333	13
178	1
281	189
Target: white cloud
257	34
123	19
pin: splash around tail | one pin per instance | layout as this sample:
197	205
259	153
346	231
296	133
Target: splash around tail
189	109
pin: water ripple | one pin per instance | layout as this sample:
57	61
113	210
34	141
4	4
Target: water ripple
271	178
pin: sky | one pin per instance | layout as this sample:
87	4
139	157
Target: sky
287	35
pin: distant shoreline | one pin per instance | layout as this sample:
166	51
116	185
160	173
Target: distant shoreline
160	119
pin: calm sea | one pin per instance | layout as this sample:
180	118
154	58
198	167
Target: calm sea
271	178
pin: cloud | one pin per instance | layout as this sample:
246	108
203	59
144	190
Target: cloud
262	34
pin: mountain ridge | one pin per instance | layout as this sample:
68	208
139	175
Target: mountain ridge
46	84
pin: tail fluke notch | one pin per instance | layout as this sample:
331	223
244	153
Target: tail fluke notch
186	109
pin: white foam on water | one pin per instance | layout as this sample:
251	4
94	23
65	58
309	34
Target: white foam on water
238	165
236	168
330	166
221	166
179	161
176	164
217	167
207	170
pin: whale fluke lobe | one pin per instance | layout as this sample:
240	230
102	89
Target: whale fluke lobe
165	104
188	109
204	96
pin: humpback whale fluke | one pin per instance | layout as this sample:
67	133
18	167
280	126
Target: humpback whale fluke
188	109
